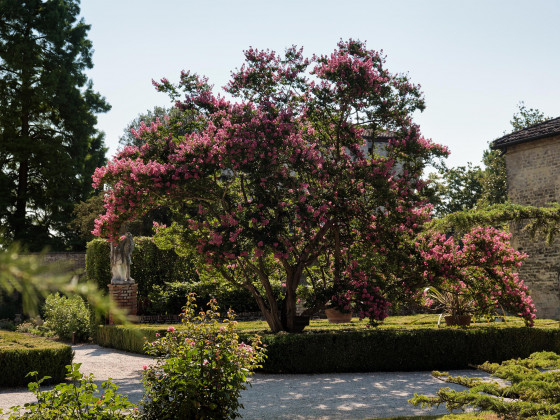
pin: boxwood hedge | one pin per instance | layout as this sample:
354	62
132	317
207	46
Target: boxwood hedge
21	354
373	350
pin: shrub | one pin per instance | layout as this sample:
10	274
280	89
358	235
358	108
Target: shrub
529	389
66	315
21	353
35	328
151	266
373	350
201	369
170	298
7	324
75	400
476	274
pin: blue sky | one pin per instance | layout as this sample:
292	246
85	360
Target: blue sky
475	60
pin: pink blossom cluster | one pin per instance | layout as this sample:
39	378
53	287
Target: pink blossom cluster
360	292
269	184
483	266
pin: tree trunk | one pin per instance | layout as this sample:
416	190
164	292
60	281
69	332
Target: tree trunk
270	315
289	310
20	225
21	201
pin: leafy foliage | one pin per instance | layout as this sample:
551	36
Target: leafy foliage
494	179
49	146
283	181
22	353
28	275
456	189
67	315
480	268
450	302
76	400
201	369
529	389
469	187
537	221
170	298
172	117
526	117
409	343
151	266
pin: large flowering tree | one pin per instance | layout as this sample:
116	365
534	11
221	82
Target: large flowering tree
279	184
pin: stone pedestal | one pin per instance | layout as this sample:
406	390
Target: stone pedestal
125	295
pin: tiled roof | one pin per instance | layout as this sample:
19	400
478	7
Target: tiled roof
538	131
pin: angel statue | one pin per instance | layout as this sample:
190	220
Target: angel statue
121	259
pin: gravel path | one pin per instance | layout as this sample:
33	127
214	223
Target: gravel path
322	396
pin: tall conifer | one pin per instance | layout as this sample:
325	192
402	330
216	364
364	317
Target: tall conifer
49	146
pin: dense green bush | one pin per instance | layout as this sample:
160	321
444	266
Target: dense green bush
151	266
375	349
201	368
7	324
170	298
21	353
127	338
67	315
165	278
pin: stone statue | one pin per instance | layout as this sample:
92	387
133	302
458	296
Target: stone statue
121	259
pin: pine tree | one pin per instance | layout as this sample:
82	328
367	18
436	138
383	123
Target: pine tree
49	146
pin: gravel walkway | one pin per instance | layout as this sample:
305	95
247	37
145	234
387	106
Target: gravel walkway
322	396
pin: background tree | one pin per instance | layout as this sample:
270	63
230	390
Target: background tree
526	117
281	183
180	120
49	146
467	187
456	189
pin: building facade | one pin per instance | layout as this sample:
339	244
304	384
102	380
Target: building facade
532	158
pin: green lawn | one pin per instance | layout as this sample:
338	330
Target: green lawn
395	322
466	416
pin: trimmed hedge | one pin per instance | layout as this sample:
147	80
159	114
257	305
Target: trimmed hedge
125	338
171	298
21	354
373	350
150	265
403	350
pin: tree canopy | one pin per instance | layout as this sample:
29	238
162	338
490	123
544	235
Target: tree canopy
49	146
282	184
468	187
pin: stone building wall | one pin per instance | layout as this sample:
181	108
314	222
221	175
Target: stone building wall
533	176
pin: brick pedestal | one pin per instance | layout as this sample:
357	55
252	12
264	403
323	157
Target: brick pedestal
125	295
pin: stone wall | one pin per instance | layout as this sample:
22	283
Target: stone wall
533	176
74	260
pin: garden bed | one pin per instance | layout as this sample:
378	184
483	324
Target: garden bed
22	353
410	343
